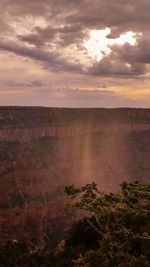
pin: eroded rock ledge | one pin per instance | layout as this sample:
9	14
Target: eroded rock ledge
25	135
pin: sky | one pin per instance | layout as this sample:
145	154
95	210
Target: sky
75	53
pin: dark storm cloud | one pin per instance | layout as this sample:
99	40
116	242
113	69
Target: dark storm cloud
68	22
23	8
120	63
49	60
4	27
67	35
125	60
32	39
120	15
110	66
49	8
135	54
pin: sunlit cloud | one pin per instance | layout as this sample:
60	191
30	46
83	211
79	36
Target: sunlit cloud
99	44
86	45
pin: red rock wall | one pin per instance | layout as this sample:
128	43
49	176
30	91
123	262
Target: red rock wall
37	162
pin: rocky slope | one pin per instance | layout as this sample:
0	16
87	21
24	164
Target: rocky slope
44	149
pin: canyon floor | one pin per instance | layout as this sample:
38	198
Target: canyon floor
44	149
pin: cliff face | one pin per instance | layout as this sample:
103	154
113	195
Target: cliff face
44	149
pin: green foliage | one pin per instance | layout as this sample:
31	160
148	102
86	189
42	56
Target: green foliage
113	230
120	223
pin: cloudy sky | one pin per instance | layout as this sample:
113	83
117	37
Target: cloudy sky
75	53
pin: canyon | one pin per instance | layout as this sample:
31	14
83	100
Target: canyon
44	149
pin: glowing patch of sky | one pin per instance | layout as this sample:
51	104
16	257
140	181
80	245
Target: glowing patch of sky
98	44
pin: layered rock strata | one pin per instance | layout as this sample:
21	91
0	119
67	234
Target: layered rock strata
44	149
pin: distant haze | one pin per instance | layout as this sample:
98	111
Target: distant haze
75	53
44	149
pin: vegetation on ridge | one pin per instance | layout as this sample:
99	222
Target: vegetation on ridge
113	231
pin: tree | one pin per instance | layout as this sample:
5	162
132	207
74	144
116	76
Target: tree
112	230
119	223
